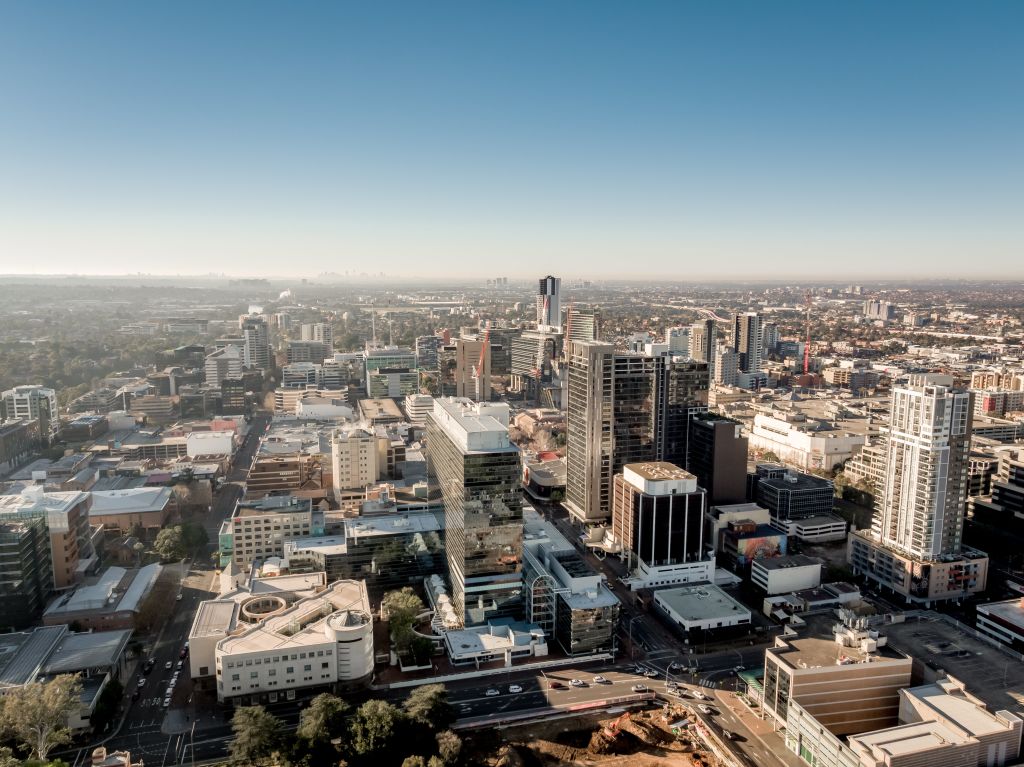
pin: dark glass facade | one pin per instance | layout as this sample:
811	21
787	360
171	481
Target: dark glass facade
481	491
26	574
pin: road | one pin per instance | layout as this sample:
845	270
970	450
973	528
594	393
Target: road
142	731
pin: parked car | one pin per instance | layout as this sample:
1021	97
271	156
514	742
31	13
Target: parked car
178	665
514	688
168	665
141	682
167	701
492	691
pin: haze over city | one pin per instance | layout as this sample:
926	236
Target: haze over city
686	140
511	385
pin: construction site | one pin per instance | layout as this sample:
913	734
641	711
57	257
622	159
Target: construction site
657	736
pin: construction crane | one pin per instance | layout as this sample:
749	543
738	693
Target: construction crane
478	370
807	330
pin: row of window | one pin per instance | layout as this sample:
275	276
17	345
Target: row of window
278	658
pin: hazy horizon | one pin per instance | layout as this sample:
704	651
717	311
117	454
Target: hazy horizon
673	141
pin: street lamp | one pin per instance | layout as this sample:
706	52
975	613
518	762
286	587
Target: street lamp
631	620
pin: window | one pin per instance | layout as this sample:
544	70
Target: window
307	667
324	665
254	674
290	670
234	677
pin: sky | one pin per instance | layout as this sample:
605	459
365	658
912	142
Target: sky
587	139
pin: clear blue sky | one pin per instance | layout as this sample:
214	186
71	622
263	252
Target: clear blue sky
584	138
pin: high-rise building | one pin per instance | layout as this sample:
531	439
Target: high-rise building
257	529
703	339
611	417
717	456
318	331
478	472
581	324
257	341
682	392
473	369
658	517
426	351
224	363
32	403
533	358
727	366
678	340
915	542
879	310
354	460
746	341
549	303
769	337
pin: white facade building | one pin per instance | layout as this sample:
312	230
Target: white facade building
33	403
321	641
224	363
199	443
784	575
354	459
799	442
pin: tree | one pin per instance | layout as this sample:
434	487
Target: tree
841	481
375	729
435	761
402	607
770	457
8	759
257	736
194	537
429	705
320	723
414	761
170	544
37	714
449	746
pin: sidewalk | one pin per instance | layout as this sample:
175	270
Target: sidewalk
761	729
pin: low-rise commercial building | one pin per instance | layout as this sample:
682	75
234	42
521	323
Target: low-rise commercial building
781	575
323	641
1003	621
564	596
702	613
107	602
258	529
148	508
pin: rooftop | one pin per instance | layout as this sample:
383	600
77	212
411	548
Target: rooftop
474	426
79	652
33	500
659	470
23	654
131	500
1011	611
214	617
792	560
696	603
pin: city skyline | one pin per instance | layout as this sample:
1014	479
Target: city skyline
695	142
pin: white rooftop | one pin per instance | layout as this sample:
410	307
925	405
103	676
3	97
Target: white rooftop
474	426
134	500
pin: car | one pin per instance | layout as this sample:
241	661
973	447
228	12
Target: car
639	688
698	695
167	702
177	598
673	666
703	709
141	682
738	669
728	735
179	664
186	645
600	680
670	685
578	683
492	691
556	685
168	665
182	654
514	688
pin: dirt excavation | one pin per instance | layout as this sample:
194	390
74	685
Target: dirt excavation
655	737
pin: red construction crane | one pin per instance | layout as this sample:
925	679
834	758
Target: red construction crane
807	340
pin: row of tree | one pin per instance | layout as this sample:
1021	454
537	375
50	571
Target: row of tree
414	734
174	543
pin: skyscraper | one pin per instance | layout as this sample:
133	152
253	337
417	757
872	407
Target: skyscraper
915	542
318	331
681	393
581	324
257	341
478	472
703	336
746	341
549	303
611	420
